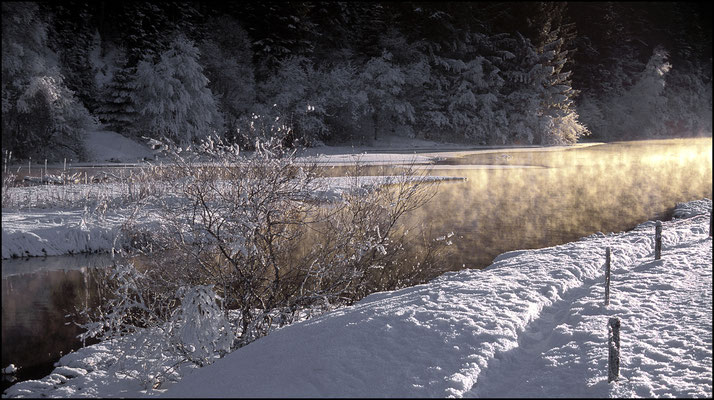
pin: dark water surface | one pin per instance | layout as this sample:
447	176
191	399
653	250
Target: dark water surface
512	199
37	293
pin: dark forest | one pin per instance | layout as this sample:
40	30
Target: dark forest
335	72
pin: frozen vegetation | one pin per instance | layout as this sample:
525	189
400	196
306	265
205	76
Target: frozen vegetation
49	219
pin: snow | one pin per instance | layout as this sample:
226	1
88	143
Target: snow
532	324
102	145
57	232
9	370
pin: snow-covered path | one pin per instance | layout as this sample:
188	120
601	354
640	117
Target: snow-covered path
665	311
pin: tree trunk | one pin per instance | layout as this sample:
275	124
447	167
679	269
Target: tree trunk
374	124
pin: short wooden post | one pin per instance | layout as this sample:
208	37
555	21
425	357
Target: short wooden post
613	358
711	222
607	276
658	240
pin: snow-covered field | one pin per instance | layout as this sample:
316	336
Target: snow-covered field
532	324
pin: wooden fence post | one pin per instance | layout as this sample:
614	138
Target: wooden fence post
613	358
658	240
711	222
607	276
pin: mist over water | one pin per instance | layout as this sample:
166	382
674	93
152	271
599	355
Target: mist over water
544	198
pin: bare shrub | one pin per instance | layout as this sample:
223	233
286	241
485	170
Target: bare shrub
257	231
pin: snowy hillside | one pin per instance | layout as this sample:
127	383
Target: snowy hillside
533	324
105	146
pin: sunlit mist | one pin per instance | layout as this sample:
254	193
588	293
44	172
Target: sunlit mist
572	193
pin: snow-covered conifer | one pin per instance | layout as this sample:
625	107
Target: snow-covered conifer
384	83
539	96
172	96
638	110
71	38
116	106
41	116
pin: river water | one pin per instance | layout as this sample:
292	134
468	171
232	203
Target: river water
511	199
543	198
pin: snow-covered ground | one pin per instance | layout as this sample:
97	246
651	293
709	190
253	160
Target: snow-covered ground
109	146
532	324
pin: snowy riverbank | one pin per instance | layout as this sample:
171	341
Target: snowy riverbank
533	324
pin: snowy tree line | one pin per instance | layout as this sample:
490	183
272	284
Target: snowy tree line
481	73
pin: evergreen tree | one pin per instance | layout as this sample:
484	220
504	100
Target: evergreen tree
172	97
71	38
290	97
462	80
539	98
689	102
116	107
227	59
641	110
41	117
347	104
279	30
383	82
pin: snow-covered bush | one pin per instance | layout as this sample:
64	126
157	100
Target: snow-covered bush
154	327
199	327
255	227
245	243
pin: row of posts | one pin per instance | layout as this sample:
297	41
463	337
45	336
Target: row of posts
613	324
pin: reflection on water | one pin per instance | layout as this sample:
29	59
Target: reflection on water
574	193
37	293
